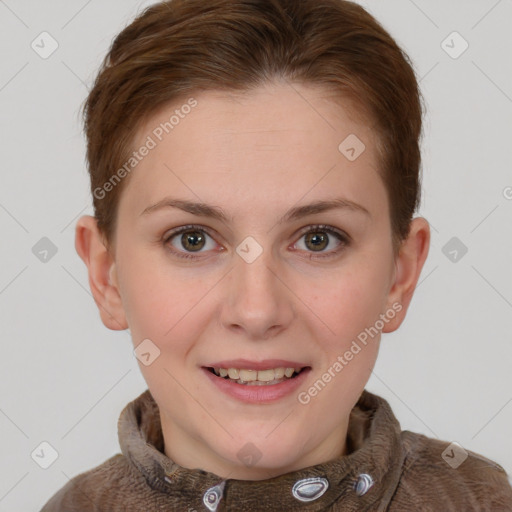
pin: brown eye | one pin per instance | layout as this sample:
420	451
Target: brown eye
193	240
326	241
317	241
189	242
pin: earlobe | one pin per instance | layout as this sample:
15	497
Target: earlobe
408	267
101	268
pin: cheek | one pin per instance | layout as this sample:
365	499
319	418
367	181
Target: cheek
348	302
153	302
168	308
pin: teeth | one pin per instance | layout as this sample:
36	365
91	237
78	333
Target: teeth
255	376
279	373
248	375
289	372
266	375
233	374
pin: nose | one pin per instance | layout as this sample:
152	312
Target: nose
257	300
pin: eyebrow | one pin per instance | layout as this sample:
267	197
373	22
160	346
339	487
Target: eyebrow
295	213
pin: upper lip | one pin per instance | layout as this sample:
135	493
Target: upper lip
245	364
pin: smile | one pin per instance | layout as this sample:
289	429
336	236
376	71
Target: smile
257	377
257	382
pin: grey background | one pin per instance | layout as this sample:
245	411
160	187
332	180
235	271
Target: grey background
65	377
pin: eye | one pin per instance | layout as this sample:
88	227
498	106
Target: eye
187	240
318	238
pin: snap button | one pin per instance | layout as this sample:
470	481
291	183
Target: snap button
363	484
213	496
310	489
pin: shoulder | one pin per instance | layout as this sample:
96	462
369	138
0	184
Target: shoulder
449	477
96	488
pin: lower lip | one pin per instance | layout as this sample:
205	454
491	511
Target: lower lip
258	394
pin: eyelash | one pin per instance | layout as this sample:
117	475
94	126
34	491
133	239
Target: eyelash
342	237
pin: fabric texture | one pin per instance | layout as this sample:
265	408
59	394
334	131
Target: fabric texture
386	469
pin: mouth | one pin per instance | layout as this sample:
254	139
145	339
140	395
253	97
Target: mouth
260	377
257	382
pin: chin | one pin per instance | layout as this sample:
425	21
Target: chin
263	457
261	471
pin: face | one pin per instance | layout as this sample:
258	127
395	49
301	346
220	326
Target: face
252	279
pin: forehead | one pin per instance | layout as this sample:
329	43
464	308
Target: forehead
276	143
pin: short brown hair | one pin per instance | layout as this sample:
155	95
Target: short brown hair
176	47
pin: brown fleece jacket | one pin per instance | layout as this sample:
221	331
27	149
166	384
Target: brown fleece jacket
385	470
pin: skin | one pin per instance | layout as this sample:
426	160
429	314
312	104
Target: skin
255	155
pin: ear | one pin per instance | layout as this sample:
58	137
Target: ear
408	265
101	267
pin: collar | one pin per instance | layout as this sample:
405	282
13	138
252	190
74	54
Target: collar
368	475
